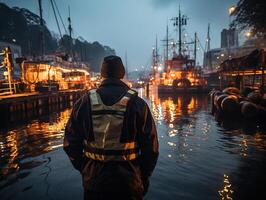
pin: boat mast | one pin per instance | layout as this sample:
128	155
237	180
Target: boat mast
155	57
208	39
156	51
69	23
167	50
126	65
195	49
208	52
180	32
42	28
180	21
70	31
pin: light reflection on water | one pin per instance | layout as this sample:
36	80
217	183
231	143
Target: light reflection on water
204	159
199	157
19	146
226	192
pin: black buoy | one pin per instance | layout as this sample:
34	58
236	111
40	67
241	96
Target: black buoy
255	97
231	90
245	92
218	101
262	113
230	104
263	101
213	93
249	109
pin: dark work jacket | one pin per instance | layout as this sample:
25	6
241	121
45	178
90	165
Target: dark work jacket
131	177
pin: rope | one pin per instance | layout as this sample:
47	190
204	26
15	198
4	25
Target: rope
60	16
56	19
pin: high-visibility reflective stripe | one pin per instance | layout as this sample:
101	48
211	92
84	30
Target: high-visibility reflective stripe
127	97
131	92
128	145
94	97
105	158
114	152
124	101
109	112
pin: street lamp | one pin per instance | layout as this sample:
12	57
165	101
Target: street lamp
248	34
231	10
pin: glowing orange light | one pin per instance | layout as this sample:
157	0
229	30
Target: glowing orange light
231	10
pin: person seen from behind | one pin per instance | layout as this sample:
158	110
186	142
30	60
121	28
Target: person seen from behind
111	138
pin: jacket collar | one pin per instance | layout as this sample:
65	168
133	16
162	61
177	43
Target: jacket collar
113	82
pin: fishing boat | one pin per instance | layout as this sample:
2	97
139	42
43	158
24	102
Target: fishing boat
182	76
181	73
55	71
54	74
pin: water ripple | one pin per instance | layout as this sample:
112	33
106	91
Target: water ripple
29	141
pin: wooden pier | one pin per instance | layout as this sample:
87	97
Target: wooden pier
19	107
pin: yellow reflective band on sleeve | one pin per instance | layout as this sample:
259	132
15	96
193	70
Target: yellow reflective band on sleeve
124	101
126	98
131	91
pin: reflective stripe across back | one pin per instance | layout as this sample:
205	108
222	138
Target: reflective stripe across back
106	158
108	112
114	152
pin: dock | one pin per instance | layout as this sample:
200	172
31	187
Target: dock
16	107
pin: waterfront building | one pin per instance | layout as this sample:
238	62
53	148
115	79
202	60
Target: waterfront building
229	38
214	57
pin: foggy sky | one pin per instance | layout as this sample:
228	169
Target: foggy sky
132	25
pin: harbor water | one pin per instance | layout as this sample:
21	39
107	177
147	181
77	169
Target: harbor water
200	158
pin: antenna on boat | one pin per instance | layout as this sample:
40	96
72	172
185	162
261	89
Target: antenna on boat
180	21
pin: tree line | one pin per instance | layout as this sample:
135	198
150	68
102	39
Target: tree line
21	26
251	14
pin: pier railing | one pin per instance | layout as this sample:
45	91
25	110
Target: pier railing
7	90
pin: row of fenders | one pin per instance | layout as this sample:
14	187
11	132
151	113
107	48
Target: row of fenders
249	104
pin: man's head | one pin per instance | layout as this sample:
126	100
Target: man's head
112	67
